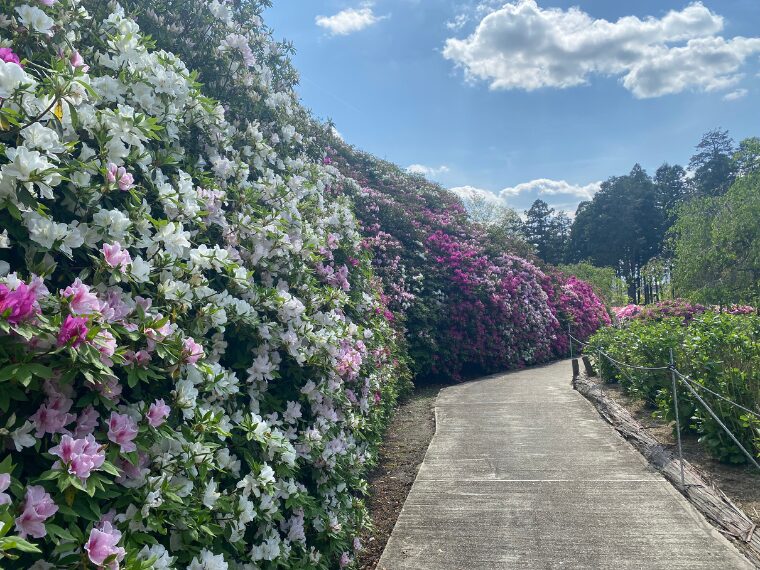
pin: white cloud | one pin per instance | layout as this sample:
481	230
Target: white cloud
520	45
349	20
428	171
734	95
548	187
470	192
559	194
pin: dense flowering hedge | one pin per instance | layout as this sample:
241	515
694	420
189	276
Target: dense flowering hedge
719	351
195	359
464	312
676	308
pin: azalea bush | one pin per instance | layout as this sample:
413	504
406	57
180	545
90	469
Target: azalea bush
465	312
195	358
719	351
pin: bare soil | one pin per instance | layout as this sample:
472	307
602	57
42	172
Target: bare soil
741	483
401	454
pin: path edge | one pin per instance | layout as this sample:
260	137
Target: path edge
706	497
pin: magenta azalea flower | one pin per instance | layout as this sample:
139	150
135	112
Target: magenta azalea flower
19	304
7	55
73	331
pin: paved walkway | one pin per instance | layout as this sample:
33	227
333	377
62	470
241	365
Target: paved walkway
522	473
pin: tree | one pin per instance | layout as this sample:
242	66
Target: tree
621	227
747	157
713	164
672	190
502	226
717	246
548	232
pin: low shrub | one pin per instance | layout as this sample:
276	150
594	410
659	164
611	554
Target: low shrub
719	351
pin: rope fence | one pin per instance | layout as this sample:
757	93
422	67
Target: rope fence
676	377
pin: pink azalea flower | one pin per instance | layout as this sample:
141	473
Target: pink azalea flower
102	544
39	507
87	422
53	416
5	482
157	413
119	175
122	430
79	456
192	352
81	301
110	388
7	55
141	358
73	331
76	59
116	257
105	342
19	304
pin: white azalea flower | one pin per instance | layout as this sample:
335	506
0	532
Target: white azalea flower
35	19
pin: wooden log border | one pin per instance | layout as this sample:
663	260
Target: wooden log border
729	519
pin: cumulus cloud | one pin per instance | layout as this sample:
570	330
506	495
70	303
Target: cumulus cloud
548	187
470	193
520	45
559	194
427	170
734	95
349	20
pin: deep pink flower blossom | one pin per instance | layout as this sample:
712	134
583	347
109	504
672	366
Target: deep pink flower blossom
102	544
7	55
5	482
122	430
79	456
192	352
157	413
81	301
19	304
38	507
116	257
73	331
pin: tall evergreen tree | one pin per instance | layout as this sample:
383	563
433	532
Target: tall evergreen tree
622	227
713	164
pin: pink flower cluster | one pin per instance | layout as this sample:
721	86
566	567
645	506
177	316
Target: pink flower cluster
118	174
19	304
79	456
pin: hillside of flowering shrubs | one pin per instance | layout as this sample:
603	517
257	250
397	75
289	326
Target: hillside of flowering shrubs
200	345
181	385
465	312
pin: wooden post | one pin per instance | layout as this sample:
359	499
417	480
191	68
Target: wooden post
588	366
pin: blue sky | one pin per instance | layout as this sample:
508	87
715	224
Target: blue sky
528	98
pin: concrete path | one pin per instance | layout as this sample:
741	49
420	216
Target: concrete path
522	473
